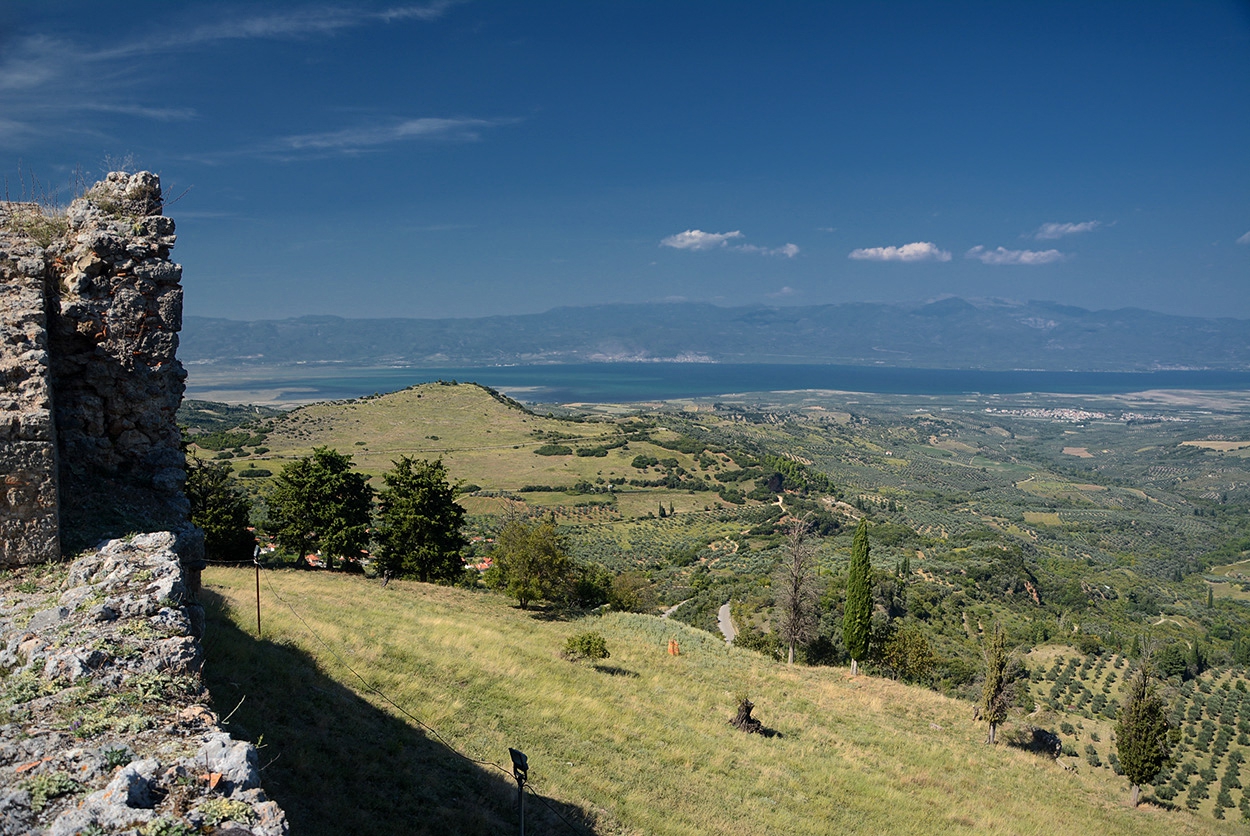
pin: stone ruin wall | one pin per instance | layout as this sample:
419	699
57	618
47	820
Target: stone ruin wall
28	517
90	309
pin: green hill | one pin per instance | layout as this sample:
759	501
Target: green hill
639	744
490	442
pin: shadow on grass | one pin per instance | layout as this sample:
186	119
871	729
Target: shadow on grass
338	764
550	613
1039	741
613	670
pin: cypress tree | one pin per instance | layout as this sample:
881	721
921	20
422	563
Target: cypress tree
1142	735
857	616
995	693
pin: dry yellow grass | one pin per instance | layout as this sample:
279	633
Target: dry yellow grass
1223	446
641	744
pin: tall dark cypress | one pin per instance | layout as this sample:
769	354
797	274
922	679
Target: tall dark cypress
857	616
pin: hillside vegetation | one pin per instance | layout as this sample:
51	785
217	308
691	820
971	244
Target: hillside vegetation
1091	529
637	744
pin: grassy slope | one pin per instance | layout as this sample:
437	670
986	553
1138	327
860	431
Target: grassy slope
643	745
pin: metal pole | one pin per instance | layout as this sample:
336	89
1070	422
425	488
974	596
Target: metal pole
256	560
520	771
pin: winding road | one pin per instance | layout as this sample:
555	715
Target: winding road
726	623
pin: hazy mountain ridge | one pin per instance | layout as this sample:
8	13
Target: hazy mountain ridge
949	333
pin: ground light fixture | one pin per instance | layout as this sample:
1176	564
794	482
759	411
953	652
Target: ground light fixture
520	770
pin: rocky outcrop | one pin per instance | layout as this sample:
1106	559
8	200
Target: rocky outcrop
105	727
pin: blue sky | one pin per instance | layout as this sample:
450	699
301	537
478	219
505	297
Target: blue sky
490	157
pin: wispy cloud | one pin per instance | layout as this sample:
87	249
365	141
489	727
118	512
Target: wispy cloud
786	250
1053	231
1002	255
303	23
783	293
159	114
50	80
918	251
1245	239
697	239
360	138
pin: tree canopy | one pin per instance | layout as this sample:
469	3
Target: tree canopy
318	503
1142	735
419	523
996	691
530	562
857	616
220	509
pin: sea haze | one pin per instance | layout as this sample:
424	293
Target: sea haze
949	333
633	382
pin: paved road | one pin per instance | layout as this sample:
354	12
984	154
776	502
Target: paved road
726	623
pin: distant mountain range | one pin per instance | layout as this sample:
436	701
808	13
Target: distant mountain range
950	333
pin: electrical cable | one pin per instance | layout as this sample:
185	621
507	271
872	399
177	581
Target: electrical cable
374	690
390	701
550	807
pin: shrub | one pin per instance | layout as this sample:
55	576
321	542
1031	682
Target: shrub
551	449
43	788
586	646
218	810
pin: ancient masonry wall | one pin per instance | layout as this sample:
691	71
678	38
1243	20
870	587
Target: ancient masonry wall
90	311
28	503
103	722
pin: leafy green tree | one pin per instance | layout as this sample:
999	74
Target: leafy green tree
795	583
908	655
857	615
530	563
631	591
318	503
1142	736
996	692
220	509
419	523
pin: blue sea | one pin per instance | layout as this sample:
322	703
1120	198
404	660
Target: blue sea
633	382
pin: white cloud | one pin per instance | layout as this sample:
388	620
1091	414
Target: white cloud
1002	255
1245	239
697	239
783	293
1052	231
918	251
787	250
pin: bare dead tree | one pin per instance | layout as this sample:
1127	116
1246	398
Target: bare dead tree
796	584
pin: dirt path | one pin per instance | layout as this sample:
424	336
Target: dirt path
726	623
